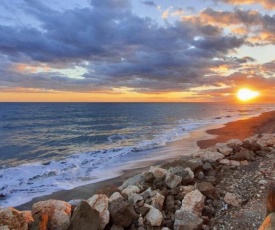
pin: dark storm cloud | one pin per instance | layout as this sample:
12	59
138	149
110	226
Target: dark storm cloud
118	48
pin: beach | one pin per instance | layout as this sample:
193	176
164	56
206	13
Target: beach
204	138
240	178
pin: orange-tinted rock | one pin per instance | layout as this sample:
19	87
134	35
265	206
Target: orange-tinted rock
14	219
50	214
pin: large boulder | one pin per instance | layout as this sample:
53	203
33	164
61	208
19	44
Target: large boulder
172	180
122	212
51	214
14	219
100	202
85	218
154	216
193	202
187	221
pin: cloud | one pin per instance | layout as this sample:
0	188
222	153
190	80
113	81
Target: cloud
267	4
149	3
259	29
119	49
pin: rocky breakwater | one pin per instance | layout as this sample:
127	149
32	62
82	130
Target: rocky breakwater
204	191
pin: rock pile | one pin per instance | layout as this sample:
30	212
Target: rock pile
189	193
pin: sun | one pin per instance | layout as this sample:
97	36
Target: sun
245	94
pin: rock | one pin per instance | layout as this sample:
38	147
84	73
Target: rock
188	176
50	214
116	227
211	156
154	216
179	171
199	175
84	218
157	201
207	189
122	212
207	166
158	172
235	163
193	202
269	222
187	221
242	155
114	196
267	140
235	144
224	162
170	204
14	219
148	177
159	183
100	202
232	199
210	179
148	193
130	189
172	180
135	180
224	149
135	198
193	164
262	182
191	173
187	189
75	202
252	138
142	210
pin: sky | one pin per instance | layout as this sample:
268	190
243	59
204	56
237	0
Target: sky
136	50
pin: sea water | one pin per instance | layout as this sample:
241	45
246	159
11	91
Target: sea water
47	147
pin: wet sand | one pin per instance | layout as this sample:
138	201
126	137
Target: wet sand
265	123
201	138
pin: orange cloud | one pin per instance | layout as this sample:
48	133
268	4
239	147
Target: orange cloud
267	4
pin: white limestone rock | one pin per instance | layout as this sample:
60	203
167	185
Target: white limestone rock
154	216
100	202
193	202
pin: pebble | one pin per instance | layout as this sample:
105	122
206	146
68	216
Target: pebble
262	182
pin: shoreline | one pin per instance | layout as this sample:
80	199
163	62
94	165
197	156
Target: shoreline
201	138
240	129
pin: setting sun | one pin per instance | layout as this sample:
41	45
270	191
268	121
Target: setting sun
246	94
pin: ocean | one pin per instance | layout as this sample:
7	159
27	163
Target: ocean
47	147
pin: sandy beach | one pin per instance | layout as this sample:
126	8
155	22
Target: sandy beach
202	138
